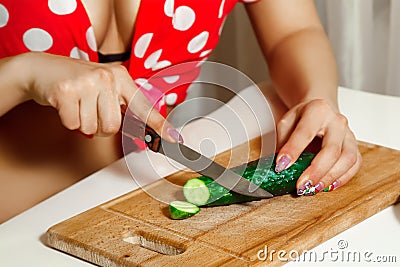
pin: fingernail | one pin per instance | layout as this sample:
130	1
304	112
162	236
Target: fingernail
332	186
319	187
304	188
282	163
309	192
175	135
314	190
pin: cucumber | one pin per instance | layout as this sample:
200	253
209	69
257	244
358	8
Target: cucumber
181	209
204	191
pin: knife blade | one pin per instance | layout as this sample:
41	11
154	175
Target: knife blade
192	159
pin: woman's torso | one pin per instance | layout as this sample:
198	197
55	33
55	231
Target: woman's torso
32	139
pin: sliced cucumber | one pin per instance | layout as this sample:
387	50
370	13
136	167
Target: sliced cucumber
181	209
203	191
197	191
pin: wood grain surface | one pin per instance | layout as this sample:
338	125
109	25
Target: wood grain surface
135	229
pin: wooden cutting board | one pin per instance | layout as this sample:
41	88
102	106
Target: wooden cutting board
135	229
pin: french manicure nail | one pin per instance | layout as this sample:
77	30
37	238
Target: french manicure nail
175	135
304	188
283	162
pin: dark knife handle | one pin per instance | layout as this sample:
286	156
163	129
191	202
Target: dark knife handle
152	139
135	128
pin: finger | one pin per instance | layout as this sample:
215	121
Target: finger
347	160
69	114
307	128
323	161
109	113
286	126
157	121
88	114
347	176
142	108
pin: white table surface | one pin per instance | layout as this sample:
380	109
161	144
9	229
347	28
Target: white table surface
373	118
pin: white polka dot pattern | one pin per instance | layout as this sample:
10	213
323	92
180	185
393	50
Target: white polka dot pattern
201	62
62	7
183	18
161	64
152	60
205	53
198	42
222	27
161	103
143	83
4	16
169	8
171	98
142	44
171	79
79	54
36	39
221	9
91	39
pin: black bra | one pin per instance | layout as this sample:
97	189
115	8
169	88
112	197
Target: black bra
114	57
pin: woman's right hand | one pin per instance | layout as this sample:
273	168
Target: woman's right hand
88	96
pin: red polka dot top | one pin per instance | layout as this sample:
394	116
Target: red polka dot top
167	33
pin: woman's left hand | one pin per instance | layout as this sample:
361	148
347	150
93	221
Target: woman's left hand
339	158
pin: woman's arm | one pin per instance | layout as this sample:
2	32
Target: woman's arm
303	71
86	95
297	50
13	82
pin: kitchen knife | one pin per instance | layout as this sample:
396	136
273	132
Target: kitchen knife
190	158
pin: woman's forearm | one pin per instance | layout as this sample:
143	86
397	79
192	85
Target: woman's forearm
304	62
300	60
13	83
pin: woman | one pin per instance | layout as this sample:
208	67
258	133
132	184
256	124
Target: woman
41	38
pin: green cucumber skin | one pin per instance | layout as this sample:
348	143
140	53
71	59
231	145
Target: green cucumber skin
177	214
220	196
264	176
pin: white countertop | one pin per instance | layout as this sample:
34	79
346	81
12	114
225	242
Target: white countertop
373	118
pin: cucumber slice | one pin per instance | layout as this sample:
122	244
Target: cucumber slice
203	191
181	209
197	191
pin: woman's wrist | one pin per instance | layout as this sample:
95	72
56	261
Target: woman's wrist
329	95
26	64
14	78
325	93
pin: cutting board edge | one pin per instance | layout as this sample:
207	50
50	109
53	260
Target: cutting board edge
76	249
